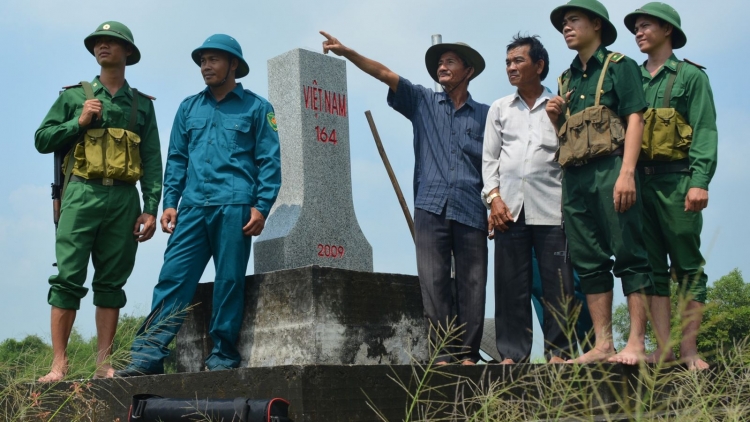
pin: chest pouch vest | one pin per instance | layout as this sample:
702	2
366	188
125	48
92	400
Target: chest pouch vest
108	153
667	135
595	131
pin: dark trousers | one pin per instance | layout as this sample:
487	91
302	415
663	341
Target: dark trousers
436	237
513	286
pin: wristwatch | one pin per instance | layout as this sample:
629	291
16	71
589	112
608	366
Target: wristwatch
492	196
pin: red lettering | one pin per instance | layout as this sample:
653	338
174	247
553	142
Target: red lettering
328	102
308	96
315	99
335	105
342	105
331	251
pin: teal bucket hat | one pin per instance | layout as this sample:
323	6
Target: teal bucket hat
664	12
609	33
226	43
115	30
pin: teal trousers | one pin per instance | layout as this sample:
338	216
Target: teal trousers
201	233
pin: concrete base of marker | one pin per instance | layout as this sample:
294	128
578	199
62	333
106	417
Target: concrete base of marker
316	316
345	392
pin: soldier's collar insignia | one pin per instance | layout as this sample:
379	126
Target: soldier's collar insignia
272	121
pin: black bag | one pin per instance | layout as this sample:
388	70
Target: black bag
153	408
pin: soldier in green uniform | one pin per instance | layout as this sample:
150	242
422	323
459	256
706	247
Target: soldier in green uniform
111	130
678	160
599	111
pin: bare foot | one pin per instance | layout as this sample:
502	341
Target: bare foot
441	363
57	373
105	370
628	356
468	363
657	356
507	361
695	363
556	359
594	355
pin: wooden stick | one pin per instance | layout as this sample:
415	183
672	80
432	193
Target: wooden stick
391	175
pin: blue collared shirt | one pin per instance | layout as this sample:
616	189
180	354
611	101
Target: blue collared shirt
223	153
447	152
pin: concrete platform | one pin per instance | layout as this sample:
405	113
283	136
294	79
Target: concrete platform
340	392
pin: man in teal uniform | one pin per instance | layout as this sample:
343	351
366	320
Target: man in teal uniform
676	165
101	213
224	171
599	110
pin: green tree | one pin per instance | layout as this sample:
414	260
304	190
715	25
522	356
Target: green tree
726	319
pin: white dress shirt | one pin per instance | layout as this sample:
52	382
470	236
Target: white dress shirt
519	158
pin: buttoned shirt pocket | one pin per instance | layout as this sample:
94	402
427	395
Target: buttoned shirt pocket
677	99
196	128
608	94
235	130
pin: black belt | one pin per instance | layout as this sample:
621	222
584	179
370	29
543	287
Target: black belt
664	169
104	182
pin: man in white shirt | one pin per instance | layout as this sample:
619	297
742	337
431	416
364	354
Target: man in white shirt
522	189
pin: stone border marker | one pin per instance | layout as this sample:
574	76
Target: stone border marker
313	220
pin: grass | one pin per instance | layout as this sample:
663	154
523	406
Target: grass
597	392
22	362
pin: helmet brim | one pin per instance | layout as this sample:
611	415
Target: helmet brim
242	69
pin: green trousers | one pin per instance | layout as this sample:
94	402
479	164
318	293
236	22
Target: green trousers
95	221
596	232
672	232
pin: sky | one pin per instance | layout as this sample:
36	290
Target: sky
43	47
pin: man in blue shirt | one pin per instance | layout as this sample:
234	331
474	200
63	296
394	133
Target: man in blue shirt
448	216
224	164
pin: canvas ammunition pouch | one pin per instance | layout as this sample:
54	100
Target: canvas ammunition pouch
107	153
667	135
593	132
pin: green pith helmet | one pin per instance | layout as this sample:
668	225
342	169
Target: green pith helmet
463	50
226	43
664	12
609	33
115	30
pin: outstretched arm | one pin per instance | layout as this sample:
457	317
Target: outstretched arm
371	67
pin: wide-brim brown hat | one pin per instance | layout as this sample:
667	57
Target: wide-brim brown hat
463	50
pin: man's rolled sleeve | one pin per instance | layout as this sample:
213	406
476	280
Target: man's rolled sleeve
268	160
152	167
406	98
493	144
702	117
177	161
628	87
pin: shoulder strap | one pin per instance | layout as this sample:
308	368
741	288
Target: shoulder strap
133	111
88	90
562	86
601	78
670	84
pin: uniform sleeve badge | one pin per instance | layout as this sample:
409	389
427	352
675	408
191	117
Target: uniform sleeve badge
272	121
